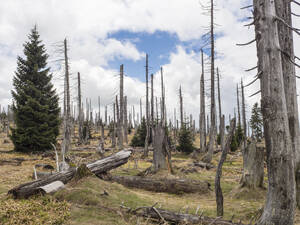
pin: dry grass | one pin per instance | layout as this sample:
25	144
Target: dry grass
84	203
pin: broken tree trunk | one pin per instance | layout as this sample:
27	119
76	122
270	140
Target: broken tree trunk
202	109
179	218
218	189
159	148
174	186
80	117
97	167
253	163
279	207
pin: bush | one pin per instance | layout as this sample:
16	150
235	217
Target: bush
139	137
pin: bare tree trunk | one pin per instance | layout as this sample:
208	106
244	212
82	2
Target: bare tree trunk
218	189
279	207
105	115
147	112
118	123
253	166
113	139
181	108
244	116
202	109
125	121
141	111
121	121
152	102
67	128
163	118
283	10
238	104
80	119
221	117
212	134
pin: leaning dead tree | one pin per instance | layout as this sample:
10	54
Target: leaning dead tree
213	131
225	150
280	202
66	122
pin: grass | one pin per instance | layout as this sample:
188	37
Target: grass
83	202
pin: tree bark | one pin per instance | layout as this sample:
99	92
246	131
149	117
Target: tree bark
253	166
121	109
218	189
244	116
173	186
147	112
280	201
159	148
97	167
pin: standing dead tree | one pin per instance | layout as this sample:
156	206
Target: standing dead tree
80	116
280	201
238	104
218	189
121	113
147	112
67	128
213	131
244	116
221	117
125	120
181	107
202	120
113	134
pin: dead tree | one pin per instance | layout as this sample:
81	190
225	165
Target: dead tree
67	128
253	166
244	115
280	201
121	112
213	132
221	117
283	10
125	121
119	129
152	101
113	134
238	104
80	119
202	120
105	115
141	111
218	189
181	107
163	117
147	112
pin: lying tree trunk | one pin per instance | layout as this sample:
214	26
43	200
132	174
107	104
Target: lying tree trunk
174	186
253	173
178	218
52	187
98	167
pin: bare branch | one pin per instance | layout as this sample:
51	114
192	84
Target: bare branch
248	43
297	3
258	76
286	24
246	7
294	14
253	68
289	58
255	93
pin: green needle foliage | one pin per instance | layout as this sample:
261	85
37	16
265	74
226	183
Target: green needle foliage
185	140
256	122
35	102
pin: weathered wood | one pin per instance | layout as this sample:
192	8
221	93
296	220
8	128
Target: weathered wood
52	187
174	186
218	189
159	148
179	218
253	166
97	167
147	112
280	201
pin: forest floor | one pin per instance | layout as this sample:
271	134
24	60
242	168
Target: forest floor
84	202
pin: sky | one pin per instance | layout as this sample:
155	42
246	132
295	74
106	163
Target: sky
104	34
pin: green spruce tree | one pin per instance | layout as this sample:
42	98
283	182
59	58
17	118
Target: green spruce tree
139	137
36	109
256	122
185	140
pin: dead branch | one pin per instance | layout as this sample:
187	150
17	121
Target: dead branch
255	93
253	68
248	43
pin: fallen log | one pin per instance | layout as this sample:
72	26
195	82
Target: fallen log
174	186
179	218
97	167
52	187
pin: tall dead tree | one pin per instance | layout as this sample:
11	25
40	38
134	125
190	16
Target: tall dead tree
181	107
125	121
163	117
113	137
221	117
105	115
244	115
152	101
283	10
280	201
213	132
141	111
119	129
238	104
80	118
147	112
121	121
202	120
67	128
